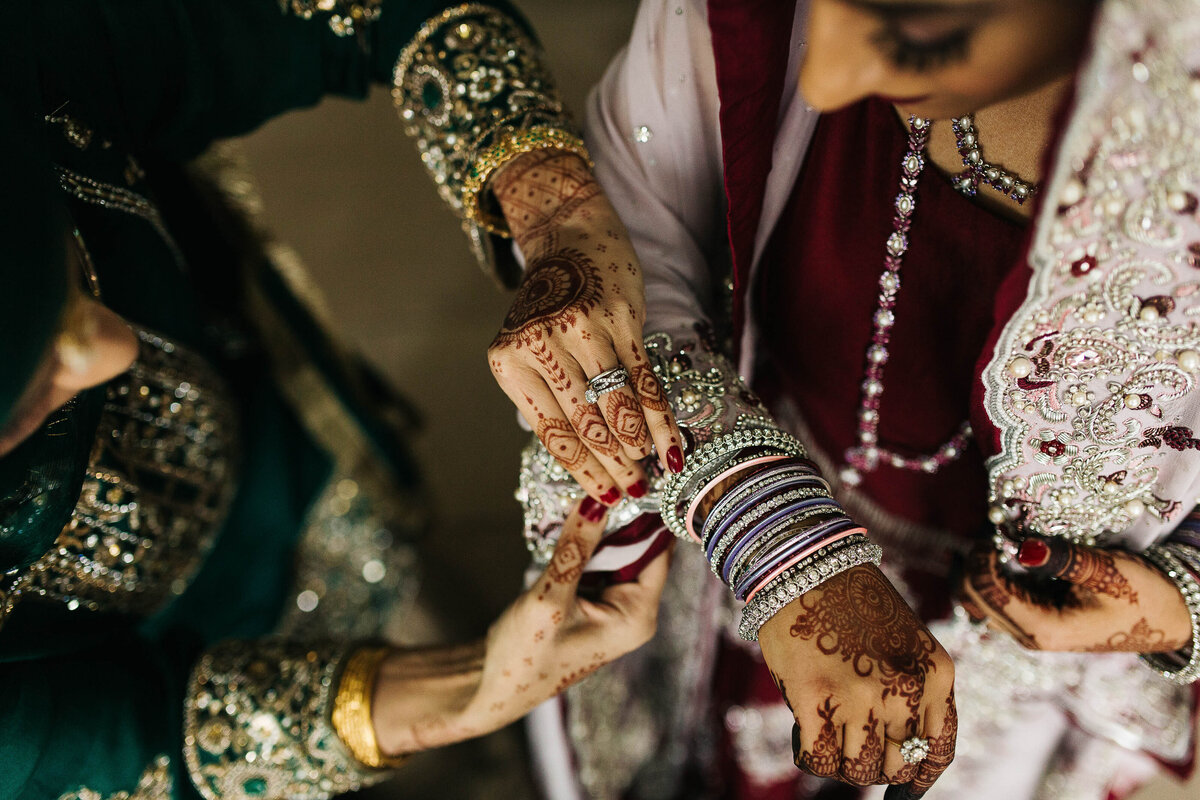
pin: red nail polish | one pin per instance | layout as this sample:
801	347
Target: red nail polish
1033	553
675	460
591	510
611	496
638	489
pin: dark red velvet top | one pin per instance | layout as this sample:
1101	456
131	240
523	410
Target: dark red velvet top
819	291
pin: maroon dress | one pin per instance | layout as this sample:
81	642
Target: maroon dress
815	299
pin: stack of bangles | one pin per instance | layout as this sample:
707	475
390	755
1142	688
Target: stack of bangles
775	534
1179	558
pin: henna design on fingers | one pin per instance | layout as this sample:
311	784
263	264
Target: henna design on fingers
649	391
941	751
860	616
1141	639
1094	570
560	288
626	419
593	430
562	442
866	768
542	187
826	755
568	561
551	368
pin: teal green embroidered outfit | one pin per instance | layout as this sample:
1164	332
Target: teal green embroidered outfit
247	479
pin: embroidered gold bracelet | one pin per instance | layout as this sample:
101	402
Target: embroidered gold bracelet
509	145
352	708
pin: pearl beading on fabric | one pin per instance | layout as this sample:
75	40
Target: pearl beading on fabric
868	454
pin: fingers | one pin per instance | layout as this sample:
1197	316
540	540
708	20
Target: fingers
581	533
544	415
895	769
817	741
660	420
863	752
941	726
642	594
1086	567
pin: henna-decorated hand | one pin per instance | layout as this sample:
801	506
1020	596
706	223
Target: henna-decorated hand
862	674
548	639
1077	598
578	313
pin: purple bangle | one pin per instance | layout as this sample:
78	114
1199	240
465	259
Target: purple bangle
761	571
753	499
768	522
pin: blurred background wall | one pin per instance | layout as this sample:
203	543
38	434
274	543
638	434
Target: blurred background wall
343	185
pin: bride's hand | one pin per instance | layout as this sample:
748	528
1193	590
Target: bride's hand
548	639
579	313
862	674
1104	600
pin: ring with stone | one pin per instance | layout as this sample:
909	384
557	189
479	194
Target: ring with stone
914	750
607	381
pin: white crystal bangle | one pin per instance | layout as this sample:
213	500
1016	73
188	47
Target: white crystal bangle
1161	557
852	552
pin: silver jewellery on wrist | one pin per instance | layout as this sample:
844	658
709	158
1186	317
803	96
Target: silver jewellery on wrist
913	750
809	574
1168	664
605	382
701	461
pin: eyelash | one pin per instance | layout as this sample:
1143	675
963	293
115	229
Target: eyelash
923	56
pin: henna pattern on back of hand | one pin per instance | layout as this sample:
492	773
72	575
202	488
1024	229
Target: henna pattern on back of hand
860	617
1140	639
1097	571
866	768
560	288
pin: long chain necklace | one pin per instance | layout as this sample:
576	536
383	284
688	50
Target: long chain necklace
868	454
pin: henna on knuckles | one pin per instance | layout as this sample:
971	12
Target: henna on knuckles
867	767
593	430
562	442
941	751
649	391
825	759
860	617
625	418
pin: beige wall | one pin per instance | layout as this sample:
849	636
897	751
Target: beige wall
343	185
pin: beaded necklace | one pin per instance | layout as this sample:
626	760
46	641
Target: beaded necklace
868	454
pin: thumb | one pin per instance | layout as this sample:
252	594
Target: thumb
1086	567
581	532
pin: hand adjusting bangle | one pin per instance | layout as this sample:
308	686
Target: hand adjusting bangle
1168	665
352	707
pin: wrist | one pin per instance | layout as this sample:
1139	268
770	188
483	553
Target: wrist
421	697
535	188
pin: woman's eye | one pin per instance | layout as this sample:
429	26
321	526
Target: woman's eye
922	55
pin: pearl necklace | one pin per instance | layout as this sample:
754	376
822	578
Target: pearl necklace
868	454
980	171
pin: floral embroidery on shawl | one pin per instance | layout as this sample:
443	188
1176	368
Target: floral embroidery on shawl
1093	381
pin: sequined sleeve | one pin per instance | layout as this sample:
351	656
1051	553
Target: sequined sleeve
473	90
257	723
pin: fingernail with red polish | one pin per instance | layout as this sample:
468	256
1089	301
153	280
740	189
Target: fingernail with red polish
591	510
611	496
675	460
638	489
1033	553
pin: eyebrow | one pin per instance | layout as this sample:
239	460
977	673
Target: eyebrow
900	9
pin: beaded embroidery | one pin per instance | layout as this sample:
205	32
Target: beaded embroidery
156	782
347	17
1101	359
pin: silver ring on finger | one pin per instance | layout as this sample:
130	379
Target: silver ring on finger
913	750
607	381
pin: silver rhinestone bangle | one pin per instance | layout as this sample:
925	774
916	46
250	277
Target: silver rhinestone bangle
803	577
1174	568
785	530
756	513
700	461
739	494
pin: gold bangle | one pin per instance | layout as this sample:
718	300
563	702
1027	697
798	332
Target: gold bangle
509	145
352	708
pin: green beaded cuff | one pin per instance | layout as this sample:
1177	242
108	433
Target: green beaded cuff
257	723
471	83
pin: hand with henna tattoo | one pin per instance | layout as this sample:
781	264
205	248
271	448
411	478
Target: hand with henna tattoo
1067	596
861	674
578	313
548	639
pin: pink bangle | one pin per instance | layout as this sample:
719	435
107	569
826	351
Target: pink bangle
708	487
791	562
